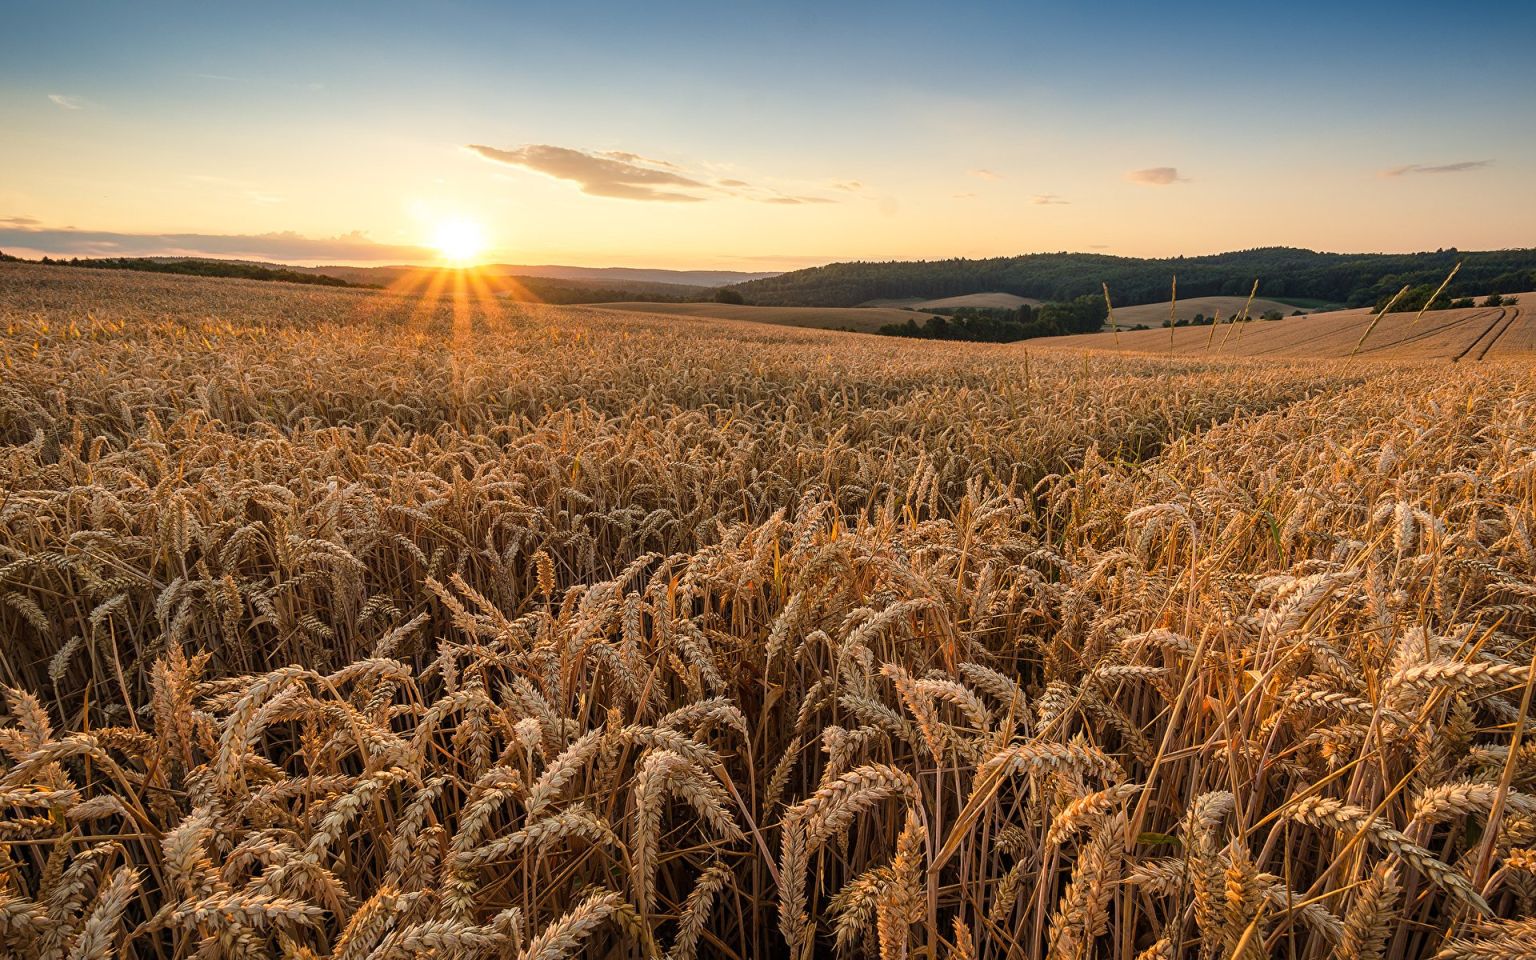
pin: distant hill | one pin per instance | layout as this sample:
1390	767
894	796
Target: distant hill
1283	272
1156	314
553	290
614	278
982	301
613	275
200	267
1462	335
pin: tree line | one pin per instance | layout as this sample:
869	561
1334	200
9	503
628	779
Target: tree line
993	325
1353	280
196	268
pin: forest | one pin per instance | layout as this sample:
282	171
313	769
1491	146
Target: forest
1352	280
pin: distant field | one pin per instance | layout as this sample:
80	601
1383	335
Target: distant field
1309	303
1153	314
989	301
1474	334
860	319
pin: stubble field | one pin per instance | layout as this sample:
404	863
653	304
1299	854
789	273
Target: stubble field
344	624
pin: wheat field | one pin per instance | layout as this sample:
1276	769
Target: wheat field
1463	335
343	624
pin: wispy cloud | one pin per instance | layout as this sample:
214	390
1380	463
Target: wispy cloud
1156	176
22	232
1048	200
623	175
985	175
851	186
68	101
601	175
1461	166
624	156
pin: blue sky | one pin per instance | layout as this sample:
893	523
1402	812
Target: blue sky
864	130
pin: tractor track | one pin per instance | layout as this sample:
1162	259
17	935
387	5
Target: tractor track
1502	315
1514	314
1433	331
1422	334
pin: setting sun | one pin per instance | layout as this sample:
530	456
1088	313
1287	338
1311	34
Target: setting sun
459	241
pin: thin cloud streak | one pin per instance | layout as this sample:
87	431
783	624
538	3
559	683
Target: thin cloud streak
68	101
1156	176
622	175
285	246
1461	166
600	175
1048	200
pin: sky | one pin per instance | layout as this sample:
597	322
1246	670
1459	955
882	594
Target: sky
762	136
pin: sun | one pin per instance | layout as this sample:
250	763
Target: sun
459	242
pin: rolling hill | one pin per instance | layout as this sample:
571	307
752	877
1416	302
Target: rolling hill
607	277
857	319
1154	314
985	301
1283	272
1478	333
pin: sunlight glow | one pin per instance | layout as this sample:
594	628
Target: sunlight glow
459	242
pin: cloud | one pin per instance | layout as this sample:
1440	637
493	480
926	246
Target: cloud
985	175
68	101
624	156
629	176
1048	200
965	196
286	246
19	222
851	186
601	175
1461	166
1156	176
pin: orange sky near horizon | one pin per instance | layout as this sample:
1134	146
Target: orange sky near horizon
728	142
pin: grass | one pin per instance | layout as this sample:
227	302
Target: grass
347	624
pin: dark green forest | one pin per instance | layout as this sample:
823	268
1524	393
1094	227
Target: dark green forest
200	268
1080	315
1343	278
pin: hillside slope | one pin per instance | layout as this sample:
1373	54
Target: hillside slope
857	319
1479	333
1347	278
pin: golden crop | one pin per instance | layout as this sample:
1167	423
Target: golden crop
346	624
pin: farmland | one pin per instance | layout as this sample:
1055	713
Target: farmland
1477	333
1155	314
858	319
985	301
346	623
